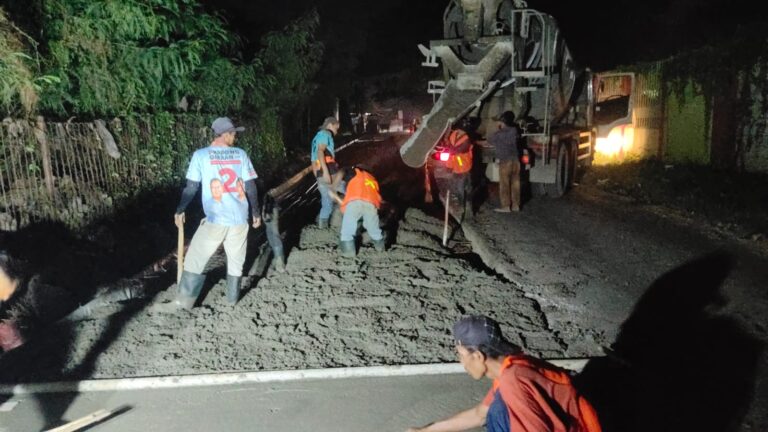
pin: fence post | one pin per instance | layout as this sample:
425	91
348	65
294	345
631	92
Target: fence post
45	153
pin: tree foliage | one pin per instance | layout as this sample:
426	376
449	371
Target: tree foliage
115	57
20	79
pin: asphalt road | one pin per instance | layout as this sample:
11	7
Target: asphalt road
335	405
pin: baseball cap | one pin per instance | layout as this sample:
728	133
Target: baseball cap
223	125
478	330
507	117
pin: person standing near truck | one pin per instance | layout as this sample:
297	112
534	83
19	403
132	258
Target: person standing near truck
460	145
505	145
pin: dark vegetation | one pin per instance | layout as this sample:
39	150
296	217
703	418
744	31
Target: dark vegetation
734	202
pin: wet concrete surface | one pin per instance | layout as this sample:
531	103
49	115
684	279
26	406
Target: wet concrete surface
565	277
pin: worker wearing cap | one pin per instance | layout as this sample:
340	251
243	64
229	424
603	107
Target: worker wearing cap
229	186
324	166
361	201
528	394
505	145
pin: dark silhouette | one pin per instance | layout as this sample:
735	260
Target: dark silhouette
677	364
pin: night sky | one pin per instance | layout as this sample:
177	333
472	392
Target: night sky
374	37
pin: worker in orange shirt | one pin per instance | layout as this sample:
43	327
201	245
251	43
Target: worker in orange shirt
528	394
362	200
460	145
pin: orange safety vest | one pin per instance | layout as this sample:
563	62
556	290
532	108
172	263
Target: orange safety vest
363	186
329	162
459	163
587	414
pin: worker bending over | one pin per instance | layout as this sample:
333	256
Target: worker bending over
528	394
361	201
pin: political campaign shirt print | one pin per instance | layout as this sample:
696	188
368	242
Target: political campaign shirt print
222	172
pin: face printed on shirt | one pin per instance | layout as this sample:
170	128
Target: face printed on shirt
240	189
217	190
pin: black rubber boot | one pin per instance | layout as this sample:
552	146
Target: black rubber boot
233	289
347	248
322	223
190	286
380	245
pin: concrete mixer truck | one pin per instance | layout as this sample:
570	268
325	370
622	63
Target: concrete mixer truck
500	55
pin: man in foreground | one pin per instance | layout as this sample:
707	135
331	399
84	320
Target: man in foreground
528	394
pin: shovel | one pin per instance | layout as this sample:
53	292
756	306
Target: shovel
180	251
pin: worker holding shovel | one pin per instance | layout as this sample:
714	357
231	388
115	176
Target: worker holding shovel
220	168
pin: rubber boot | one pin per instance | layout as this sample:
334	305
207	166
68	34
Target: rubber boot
233	289
380	245
322	223
279	262
190	286
347	248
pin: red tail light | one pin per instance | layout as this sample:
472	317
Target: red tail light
524	159
441	156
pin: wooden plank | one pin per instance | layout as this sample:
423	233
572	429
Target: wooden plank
82	422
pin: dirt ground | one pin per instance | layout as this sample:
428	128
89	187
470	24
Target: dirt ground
679	307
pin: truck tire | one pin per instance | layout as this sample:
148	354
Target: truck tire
564	177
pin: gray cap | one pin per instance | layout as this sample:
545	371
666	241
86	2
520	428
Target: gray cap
223	125
477	330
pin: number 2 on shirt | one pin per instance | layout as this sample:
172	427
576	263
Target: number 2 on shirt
229	183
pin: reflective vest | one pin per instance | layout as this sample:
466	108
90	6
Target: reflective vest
587	416
329	162
363	186
459	163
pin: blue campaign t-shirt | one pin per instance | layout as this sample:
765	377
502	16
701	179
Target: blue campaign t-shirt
323	136
222	172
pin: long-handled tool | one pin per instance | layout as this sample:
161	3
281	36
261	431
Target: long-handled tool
447	212
180	251
83	422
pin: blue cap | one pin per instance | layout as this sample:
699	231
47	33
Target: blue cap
223	125
477	330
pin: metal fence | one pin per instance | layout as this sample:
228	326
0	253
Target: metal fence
73	172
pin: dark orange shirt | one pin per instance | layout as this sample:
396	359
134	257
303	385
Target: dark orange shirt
540	398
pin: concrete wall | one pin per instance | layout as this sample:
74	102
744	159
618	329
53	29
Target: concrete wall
687	131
